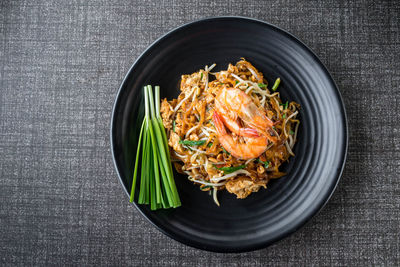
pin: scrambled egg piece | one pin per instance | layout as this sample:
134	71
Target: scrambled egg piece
174	142
243	186
166	113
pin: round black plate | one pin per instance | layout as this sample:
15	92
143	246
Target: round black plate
288	202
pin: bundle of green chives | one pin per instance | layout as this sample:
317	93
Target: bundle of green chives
157	185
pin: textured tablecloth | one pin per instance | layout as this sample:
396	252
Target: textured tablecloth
61	65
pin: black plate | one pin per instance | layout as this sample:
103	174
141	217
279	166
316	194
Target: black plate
289	202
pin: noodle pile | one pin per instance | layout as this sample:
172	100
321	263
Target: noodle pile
195	149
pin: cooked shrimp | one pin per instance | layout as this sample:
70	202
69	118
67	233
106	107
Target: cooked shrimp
233	124
252	148
235	127
236	104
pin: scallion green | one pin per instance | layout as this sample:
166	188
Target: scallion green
157	186
285	106
266	163
192	143
276	84
262	85
226	152
228	170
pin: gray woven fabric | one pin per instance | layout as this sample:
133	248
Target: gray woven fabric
61	65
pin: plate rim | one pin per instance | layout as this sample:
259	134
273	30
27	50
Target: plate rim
297	225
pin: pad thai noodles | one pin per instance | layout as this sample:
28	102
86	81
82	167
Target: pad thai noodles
227	130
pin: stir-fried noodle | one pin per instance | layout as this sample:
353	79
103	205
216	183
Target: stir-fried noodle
227	130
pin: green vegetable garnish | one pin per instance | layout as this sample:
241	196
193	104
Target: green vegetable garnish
291	132
262	85
205	187
173	126
201	76
228	170
210	144
266	163
236	82
283	116
157	186
226	152
192	143
285	105
276	84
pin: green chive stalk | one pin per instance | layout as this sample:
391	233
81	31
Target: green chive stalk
165	141
276	84
136	162
143	177
157	185
154	145
157	144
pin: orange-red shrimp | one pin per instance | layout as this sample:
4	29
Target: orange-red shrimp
253	147
234	103
233	124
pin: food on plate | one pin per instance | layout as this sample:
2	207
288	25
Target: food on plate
227	130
